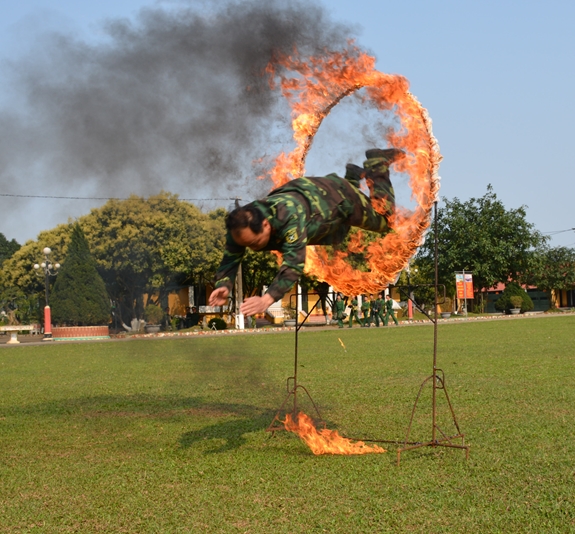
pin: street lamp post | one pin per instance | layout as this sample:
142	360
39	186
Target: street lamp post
410	296
49	270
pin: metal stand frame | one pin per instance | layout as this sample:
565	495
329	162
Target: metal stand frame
292	384
438	383
438	437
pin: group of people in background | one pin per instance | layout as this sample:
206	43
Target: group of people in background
192	318
373	311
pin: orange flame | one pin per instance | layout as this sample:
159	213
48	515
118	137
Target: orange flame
326	441
313	88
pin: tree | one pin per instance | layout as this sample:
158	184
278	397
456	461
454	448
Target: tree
513	289
258	270
141	246
21	287
147	246
79	297
7	248
483	237
551	269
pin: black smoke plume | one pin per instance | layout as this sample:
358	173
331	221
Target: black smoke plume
174	99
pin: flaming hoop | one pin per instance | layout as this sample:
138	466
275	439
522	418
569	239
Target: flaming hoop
316	87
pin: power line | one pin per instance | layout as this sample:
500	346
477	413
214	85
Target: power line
104	198
559	231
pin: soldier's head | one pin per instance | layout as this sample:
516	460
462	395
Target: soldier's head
387	297
248	227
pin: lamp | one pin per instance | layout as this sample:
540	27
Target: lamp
49	270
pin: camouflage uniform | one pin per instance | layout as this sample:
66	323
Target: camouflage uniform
365	310
377	174
306	211
353	313
380	309
389	312
374	312
338	309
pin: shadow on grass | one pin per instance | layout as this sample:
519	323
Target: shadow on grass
139	405
239	419
232	431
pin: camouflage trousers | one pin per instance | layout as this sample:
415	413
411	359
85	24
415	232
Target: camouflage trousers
355	209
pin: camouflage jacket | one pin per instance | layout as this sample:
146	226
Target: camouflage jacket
353	305
305	211
339	308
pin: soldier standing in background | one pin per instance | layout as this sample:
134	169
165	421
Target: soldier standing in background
339	308
380	304
353	312
389	312
373	311
366	312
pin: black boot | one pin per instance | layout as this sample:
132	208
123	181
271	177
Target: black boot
354	174
377	175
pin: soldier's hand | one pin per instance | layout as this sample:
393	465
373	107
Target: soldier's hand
219	296
255	305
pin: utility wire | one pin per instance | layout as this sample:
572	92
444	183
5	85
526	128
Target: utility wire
559	231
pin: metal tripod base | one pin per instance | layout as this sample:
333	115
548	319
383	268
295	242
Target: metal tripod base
277	423
292	385
438	437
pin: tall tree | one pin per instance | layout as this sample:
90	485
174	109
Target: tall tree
146	246
7	248
141	246
483	237
22	287
551	269
79	297
258	269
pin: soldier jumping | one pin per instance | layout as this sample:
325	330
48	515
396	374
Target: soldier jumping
305	211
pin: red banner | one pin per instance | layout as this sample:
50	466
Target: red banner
464	284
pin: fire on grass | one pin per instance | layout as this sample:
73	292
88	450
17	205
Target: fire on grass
313	86
326	441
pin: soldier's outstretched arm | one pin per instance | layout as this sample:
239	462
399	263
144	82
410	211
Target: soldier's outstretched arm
224	278
254	305
219	296
293	257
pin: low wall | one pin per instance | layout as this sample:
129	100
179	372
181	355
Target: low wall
79	332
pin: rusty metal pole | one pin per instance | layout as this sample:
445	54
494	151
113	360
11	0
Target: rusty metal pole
240	321
434	409
294	415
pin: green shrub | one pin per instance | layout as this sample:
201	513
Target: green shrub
446	305
153	314
513	289
516	301
218	323
79	297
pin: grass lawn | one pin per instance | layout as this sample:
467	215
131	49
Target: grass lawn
168	435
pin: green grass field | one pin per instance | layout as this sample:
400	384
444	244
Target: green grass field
168	435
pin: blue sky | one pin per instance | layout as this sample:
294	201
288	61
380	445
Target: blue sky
496	77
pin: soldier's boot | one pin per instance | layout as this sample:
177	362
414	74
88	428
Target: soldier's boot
354	174
377	176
